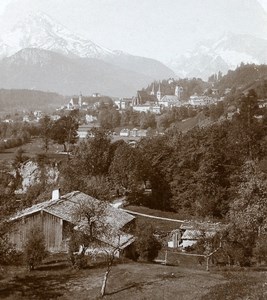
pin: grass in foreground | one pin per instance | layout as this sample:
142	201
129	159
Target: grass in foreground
134	281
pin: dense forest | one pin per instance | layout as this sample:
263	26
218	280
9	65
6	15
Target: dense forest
245	77
197	172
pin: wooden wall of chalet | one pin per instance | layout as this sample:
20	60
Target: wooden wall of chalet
52	227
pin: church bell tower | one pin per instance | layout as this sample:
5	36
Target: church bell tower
159	94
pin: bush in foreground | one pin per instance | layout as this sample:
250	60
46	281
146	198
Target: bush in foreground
35	248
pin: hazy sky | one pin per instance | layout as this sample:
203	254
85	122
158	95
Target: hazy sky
264	4
153	28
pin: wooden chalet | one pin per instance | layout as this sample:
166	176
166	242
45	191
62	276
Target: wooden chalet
56	219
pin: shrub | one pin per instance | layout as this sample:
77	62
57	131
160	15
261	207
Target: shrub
2	146
78	260
35	249
147	246
8	255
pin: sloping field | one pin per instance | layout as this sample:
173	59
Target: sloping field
133	281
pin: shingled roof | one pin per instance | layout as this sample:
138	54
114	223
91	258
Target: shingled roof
65	207
144	97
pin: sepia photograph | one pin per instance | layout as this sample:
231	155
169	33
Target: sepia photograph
133	149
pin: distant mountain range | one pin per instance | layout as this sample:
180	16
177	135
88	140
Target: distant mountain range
49	71
226	53
39	53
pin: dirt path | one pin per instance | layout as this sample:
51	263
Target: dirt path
152	217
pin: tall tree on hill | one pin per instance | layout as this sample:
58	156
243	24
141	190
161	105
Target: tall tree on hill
157	153
212	184
212	175
248	213
93	154
126	171
64	132
45	131
250	128
109	118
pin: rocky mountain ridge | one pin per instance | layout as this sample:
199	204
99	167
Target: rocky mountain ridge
226	53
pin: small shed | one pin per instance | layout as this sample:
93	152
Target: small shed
175	238
192	231
190	237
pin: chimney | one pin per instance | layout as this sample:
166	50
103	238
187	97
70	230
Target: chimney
56	194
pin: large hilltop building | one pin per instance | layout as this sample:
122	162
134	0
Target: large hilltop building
156	101
75	103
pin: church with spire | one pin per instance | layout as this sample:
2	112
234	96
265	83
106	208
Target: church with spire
155	100
159	94
165	101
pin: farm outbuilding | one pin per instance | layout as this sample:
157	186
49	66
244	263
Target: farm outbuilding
190	232
56	219
193	231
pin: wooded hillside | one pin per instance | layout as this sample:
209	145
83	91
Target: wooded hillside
18	100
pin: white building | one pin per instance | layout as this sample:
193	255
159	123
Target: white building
90	118
169	101
196	100
37	114
123	103
55	117
178	91
84	130
125	132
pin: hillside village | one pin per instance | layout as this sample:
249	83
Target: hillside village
157	99
174	176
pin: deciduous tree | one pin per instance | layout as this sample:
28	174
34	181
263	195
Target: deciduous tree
64	132
45	131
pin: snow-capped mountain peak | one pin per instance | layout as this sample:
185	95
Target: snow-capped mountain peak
39	30
221	55
38	52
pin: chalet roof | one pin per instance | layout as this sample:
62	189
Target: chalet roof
64	208
197	225
115	238
66	205
125	130
192	234
122	240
